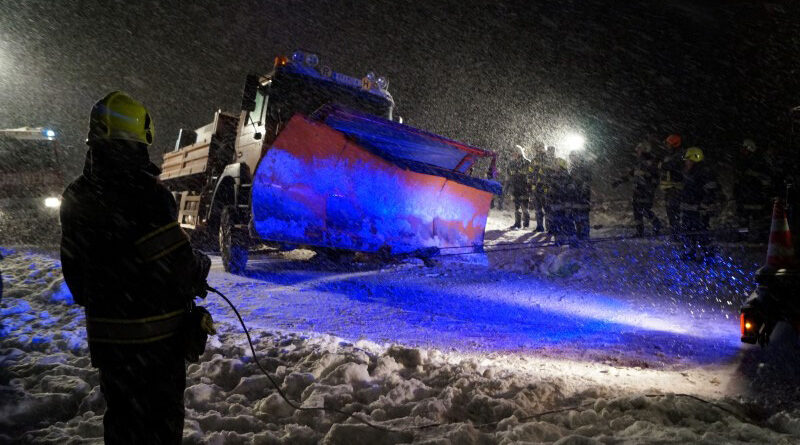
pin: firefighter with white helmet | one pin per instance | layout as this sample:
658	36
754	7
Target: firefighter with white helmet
129	264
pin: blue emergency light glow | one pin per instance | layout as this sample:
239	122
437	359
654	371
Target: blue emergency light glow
49	133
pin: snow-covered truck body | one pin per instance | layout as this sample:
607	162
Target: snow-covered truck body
314	159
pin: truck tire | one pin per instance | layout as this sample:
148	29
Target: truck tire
233	242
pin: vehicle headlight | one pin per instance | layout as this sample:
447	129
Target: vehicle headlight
52	202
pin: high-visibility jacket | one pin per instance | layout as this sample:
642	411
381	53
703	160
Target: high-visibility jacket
538	172
126	259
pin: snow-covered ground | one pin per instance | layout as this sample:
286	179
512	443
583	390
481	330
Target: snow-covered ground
608	343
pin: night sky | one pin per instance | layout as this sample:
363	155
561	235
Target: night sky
489	73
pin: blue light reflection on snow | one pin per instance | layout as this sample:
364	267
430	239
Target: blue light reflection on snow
468	316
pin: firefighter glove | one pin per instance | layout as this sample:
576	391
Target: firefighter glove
207	323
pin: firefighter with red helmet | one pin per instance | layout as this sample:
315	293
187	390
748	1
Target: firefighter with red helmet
672	180
129	264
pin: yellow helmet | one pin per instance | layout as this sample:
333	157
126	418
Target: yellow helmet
694	154
119	116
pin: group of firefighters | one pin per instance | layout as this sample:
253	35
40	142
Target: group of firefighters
559	192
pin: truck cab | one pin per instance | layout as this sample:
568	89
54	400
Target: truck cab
210	168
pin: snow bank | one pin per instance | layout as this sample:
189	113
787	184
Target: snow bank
49	392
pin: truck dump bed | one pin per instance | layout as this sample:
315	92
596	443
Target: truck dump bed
347	180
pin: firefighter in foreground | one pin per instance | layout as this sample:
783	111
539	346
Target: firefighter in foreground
645	181
672	180
700	198
129	264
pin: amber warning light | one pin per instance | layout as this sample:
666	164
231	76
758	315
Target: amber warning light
281	61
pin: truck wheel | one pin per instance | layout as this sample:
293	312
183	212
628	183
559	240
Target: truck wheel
233	242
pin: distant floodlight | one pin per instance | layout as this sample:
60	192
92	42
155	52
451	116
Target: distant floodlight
50	133
52	202
573	141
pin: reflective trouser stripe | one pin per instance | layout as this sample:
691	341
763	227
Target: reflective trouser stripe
161	242
131	331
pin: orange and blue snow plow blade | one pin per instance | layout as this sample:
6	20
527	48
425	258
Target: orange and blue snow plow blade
351	181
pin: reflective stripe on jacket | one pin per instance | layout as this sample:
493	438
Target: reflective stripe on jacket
161	241
134	331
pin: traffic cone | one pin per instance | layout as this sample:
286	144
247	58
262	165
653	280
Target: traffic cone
780	253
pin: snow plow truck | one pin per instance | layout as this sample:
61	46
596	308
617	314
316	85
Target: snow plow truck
315	159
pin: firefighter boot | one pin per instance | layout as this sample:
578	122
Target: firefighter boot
639	230
656	226
539	222
517	219
526	219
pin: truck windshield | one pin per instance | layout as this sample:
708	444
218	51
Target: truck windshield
293	93
27	155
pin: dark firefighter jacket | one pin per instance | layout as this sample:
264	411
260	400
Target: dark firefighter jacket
561	193
581	174
701	192
645	179
126	260
753	181
672	170
518	175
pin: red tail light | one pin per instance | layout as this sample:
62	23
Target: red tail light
749	327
